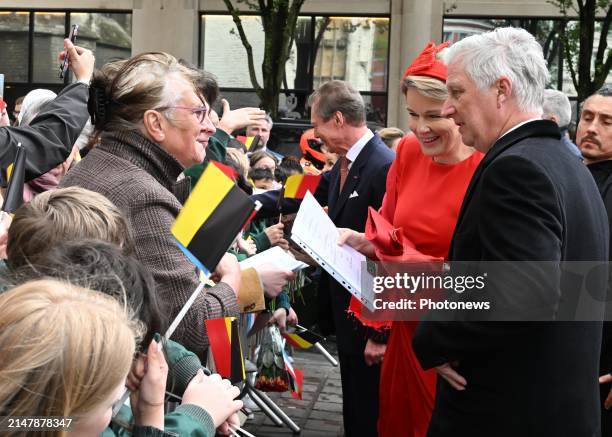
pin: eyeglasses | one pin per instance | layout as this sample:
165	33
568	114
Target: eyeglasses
199	112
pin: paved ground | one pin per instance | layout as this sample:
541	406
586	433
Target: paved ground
319	413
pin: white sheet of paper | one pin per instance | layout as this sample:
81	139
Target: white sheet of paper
314	229
275	256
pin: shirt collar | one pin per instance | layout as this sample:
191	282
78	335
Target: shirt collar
356	148
516	126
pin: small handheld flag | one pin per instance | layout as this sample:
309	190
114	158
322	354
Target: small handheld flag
296	377
302	338
213	215
249	142
258	206
224	340
13	198
227	170
297	185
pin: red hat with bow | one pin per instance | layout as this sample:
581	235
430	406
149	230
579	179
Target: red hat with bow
426	64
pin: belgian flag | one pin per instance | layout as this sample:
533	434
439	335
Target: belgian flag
15	174
224	340
296	377
302	339
297	185
249	142
227	170
213	215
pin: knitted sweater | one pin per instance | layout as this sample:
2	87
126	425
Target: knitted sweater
140	178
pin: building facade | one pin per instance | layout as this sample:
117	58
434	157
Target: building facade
367	42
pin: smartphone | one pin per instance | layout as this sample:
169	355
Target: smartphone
72	37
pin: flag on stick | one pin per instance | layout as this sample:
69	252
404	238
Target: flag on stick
249	142
224	340
297	185
302	339
258	206
296	377
13	197
227	170
213	215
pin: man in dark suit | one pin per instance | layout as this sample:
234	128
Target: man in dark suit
529	200
356	182
594	137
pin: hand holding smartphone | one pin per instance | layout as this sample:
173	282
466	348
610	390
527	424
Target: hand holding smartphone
72	37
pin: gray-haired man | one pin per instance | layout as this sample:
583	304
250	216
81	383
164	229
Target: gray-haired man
263	129
557	107
524	203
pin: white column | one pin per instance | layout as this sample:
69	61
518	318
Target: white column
413	24
166	25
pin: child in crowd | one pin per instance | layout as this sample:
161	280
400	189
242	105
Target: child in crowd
62	215
48	237
330	159
262	159
263	179
236	159
288	166
49	333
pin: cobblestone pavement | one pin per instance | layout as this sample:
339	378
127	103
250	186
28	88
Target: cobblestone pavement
319	413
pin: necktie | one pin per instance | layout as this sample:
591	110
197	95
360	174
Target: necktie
344	163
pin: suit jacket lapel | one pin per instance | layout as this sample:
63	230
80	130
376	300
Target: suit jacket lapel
352	179
334	181
533	128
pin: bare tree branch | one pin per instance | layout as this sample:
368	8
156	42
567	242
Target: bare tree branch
245	43
606	68
250	3
570	61
603	36
317	42
279	19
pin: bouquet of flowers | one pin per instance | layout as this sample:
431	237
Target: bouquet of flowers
271	372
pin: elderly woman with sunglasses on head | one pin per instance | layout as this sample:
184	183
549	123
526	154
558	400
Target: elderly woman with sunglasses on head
153	125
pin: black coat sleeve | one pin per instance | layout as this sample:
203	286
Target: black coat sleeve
48	140
520	219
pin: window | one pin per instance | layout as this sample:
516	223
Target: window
354	49
546	31
224	54
568	84
14	33
49	28
109	36
32	40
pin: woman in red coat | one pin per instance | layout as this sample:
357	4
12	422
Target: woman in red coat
425	187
